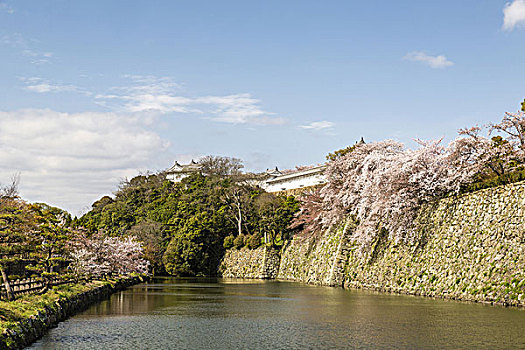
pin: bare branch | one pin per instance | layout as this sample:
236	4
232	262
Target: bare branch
11	190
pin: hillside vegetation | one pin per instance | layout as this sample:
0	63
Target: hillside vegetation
186	226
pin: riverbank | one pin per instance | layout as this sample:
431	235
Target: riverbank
469	247
28	317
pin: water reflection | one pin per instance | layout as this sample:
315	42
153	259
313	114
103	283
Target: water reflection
247	314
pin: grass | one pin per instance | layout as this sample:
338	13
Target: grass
28	305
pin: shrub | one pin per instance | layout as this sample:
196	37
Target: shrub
238	242
228	242
254	241
508	178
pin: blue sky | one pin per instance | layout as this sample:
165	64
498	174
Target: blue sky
95	91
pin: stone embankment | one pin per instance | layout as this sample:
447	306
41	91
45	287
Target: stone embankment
262	263
469	247
32	328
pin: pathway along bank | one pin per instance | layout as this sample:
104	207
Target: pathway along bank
32	328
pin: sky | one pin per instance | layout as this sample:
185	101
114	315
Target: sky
94	92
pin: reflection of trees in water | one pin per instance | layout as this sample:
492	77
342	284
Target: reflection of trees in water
161	295
224	314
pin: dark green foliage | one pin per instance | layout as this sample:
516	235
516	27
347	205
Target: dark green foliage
495	181
50	237
152	235
32	239
254	241
228	242
274	215
15	222
195	249
132	204
198	224
341	152
238	242
185	227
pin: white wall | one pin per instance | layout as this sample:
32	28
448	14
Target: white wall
176	177
293	183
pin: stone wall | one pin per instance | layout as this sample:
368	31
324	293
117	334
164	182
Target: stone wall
470	247
317	260
262	263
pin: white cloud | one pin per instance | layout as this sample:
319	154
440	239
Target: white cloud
514	14
27	48
69	160
39	85
150	84
38	57
236	109
46	87
431	61
321	125
150	94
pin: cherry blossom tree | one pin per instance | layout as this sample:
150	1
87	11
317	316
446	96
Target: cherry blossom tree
495	156
101	256
513	127
383	184
307	220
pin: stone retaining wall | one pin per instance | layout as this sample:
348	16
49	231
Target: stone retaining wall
317	260
34	327
470	247
262	263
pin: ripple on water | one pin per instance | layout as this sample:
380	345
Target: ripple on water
195	314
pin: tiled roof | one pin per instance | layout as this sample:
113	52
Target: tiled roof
315	170
184	168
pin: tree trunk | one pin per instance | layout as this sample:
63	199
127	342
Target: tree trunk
239	221
9	291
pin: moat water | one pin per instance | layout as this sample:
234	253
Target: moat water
247	314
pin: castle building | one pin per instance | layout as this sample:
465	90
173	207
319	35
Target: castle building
178	171
277	181
271	181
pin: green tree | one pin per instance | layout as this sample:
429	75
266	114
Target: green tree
254	241
220	166
154	239
51	235
15	243
342	152
238	196
195	249
239	241
183	225
228	241
274	216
